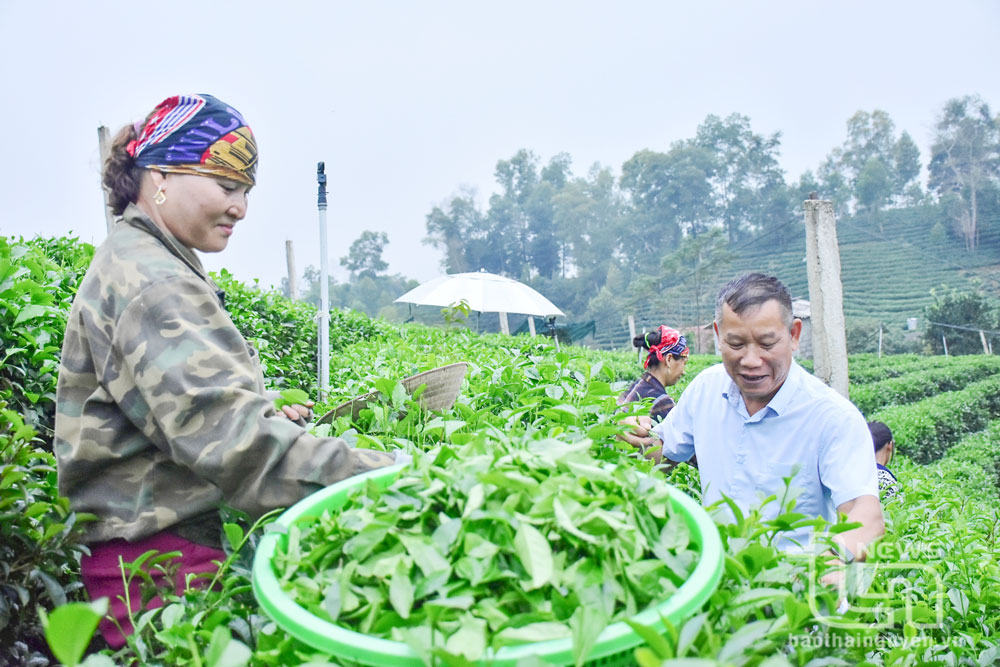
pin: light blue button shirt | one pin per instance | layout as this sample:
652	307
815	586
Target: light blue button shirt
808	431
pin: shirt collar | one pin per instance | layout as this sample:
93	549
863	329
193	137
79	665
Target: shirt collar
134	216
780	401
650	379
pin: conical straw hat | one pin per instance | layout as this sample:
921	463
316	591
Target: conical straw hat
443	385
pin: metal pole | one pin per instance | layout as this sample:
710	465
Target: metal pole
324	287
293	292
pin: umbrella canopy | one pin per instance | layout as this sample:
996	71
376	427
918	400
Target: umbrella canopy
485	292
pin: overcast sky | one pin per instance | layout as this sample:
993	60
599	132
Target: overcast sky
408	101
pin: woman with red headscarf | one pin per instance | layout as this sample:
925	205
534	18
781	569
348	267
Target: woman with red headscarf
664	366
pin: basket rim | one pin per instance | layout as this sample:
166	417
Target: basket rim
449	378
366	649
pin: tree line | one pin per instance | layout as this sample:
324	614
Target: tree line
665	215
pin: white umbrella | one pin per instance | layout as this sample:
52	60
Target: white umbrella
485	292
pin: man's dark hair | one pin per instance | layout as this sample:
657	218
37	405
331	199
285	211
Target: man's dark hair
754	289
881	435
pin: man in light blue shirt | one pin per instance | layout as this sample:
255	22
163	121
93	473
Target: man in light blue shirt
759	417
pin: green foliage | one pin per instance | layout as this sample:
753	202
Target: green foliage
971	310
529	539
926	429
283	332
69	628
965	162
364	257
923	382
456	314
38	556
942	530
38	280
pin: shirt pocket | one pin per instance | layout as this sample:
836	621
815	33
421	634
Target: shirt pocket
800	483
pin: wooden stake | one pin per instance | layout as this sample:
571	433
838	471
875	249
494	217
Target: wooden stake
104	148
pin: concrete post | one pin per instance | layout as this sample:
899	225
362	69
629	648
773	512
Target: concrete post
531	325
631	329
504	325
982	337
826	295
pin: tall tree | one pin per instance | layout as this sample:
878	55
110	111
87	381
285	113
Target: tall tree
364	257
459	228
965	160
669	194
906	157
588	214
745	172
695	262
874	161
508	216
873	186
543	244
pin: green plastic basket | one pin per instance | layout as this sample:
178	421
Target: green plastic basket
614	646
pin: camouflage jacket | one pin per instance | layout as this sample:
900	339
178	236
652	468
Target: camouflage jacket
160	407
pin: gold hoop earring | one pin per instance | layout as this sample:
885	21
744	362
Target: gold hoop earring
160	196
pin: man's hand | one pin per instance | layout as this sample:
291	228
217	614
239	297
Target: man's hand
640	436
867	511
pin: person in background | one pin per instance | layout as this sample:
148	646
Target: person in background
888	487
758	418
161	413
664	366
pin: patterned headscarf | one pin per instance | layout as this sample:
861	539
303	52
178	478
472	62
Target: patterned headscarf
197	134
671	342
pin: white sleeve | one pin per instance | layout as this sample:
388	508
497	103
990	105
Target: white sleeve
677	429
847	459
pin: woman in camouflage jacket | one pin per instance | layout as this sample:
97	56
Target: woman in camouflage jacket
161	413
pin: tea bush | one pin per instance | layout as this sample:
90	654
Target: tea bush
38	554
919	384
38	280
940	553
926	429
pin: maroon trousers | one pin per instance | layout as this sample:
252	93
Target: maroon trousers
102	576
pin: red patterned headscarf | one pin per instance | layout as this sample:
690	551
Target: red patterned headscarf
671	342
197	134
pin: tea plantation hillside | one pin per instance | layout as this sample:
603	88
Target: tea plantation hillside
929	593
889	266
